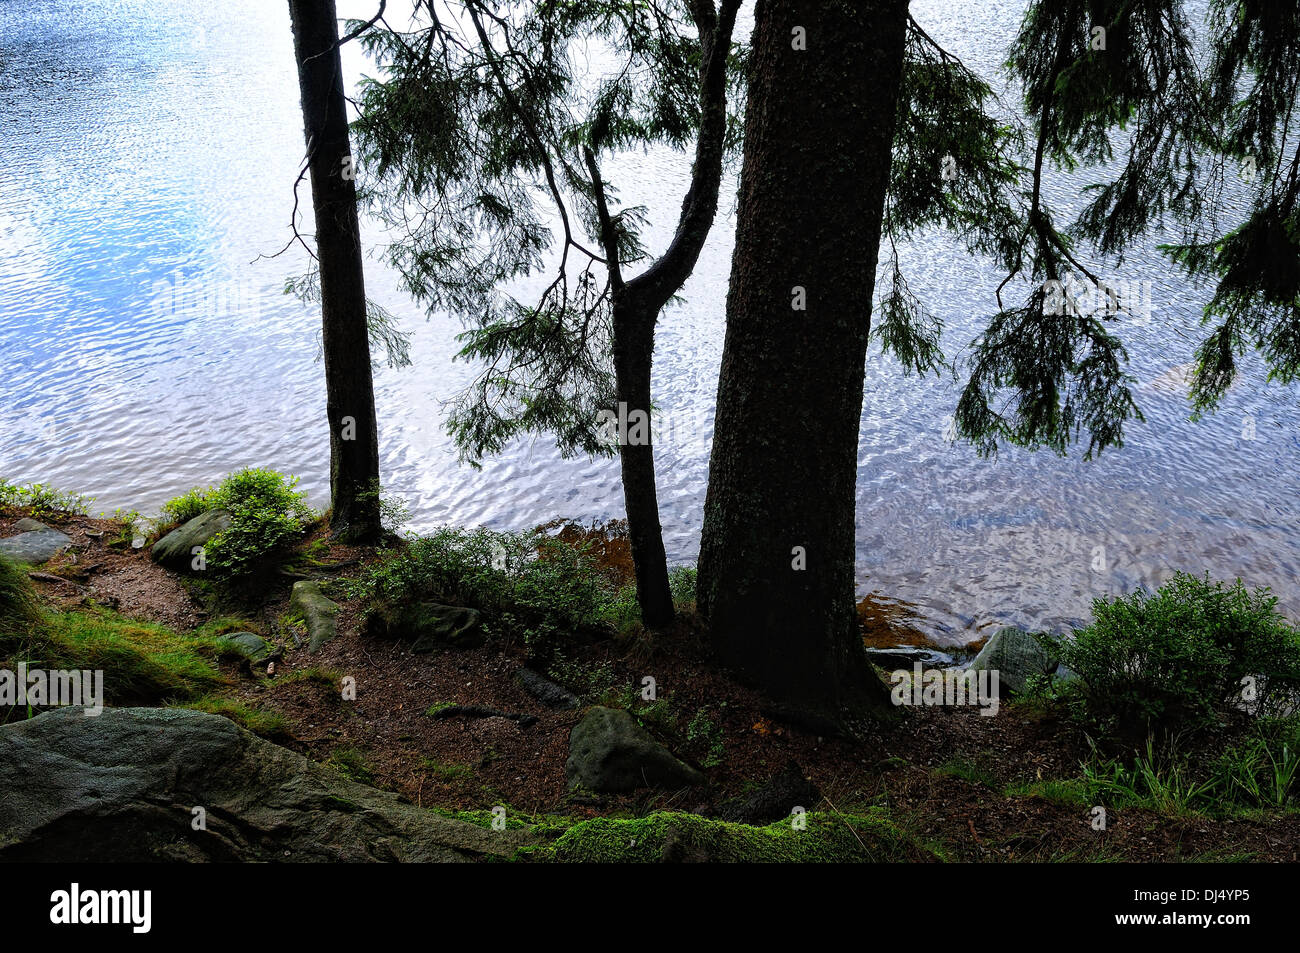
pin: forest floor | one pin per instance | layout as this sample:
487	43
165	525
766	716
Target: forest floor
968	786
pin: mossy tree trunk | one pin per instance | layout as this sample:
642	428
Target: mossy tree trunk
776	571
349	386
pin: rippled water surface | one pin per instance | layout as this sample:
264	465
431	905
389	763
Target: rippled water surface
148	153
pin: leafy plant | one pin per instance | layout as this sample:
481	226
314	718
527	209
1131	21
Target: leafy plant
1185	655
528	585
705	733
267	514
41	499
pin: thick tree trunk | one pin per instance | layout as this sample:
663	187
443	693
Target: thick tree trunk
783	472
350	396
633	354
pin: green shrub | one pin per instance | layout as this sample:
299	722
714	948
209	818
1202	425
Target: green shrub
681	583
188	505
41	499
267	515
527	585
703	733
1180	657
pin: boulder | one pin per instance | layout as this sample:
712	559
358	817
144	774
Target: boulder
35	543
609	751
1015	655
176	549
546	691
429	624
318	613
248	644
123	787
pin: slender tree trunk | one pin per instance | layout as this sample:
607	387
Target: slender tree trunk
350	395
633	354
776	571
638	302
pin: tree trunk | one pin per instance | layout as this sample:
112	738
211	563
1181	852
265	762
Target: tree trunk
350	396
783	472
633	354
638	302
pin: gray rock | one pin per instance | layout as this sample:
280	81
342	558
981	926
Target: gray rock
546	691
1015	655
248	644
35	543
176	549
1064	674
775	800
430	624
609	751
122	787
318	613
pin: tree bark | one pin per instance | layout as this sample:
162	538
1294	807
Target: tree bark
638	302
783	471
633	353
350	396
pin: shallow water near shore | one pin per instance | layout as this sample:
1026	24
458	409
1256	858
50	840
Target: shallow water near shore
150	152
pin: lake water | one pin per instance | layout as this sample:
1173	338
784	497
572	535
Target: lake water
147	156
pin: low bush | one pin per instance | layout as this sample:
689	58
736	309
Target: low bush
1184	657
267	515
41	499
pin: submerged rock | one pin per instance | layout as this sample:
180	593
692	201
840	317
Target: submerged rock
908	655
176	549
609	751
35	543
126	786
318	612
1015	655
430	624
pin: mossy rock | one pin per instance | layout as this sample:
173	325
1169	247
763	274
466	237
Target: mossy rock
429	624
317	612
1016	656
666	837
176	549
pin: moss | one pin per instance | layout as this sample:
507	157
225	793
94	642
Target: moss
267	724
325	677
352	764
447	773
828	838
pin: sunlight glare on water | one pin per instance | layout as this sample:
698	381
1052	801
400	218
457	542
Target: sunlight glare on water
149	153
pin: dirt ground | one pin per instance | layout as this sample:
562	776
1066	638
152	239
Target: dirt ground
942	772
